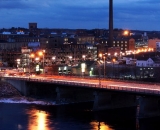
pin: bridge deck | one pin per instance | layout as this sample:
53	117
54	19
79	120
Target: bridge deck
133	87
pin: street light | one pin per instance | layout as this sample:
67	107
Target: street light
104	65
41	53
70	58
83	66
83	56
54	58
113	65
104	58
18	62
99	69
37	66
100	55
30	57
37	59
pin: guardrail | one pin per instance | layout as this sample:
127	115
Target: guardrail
92	85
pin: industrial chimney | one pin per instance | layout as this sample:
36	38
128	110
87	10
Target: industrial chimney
110	44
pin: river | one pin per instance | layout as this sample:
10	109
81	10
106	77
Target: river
37	116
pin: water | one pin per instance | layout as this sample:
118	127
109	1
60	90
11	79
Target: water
22	116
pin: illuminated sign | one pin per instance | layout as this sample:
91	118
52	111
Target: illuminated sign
83	66
37	67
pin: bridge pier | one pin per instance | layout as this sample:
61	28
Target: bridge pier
111	100
63	95
74	95
148	106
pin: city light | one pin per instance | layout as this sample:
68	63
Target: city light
83	56
53	58
32	55
37	58
41	53
83	67
100	55
129	52
126	32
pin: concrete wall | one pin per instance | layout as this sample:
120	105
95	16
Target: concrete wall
20	85
112	100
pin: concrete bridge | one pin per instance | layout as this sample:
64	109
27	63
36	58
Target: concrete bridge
107	95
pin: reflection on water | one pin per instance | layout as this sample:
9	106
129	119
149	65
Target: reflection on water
41	119
63	118
38	120
37	117
100	126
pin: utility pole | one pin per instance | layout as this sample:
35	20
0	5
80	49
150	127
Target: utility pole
99	71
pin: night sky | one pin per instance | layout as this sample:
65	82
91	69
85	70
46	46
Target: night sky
76	14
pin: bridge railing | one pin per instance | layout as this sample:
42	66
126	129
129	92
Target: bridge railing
92	85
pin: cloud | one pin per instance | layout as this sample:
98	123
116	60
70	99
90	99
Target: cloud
84	13
23	4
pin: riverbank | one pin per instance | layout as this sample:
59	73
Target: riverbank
8	94
7	90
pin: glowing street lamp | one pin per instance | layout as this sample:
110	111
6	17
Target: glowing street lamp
53	58
104	58
126	32
113	61
83	56
30	57
18	62
41	53
115	54
37	59
70	58
100	55
104	65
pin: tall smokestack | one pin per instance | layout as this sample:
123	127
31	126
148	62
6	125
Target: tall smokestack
110	23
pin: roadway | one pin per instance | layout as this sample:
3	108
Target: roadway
92	82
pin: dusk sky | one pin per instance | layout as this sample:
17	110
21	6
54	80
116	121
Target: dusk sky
87	14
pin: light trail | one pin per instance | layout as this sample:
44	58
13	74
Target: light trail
118	85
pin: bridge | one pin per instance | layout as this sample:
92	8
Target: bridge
105	94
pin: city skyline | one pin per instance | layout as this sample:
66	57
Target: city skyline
130	14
